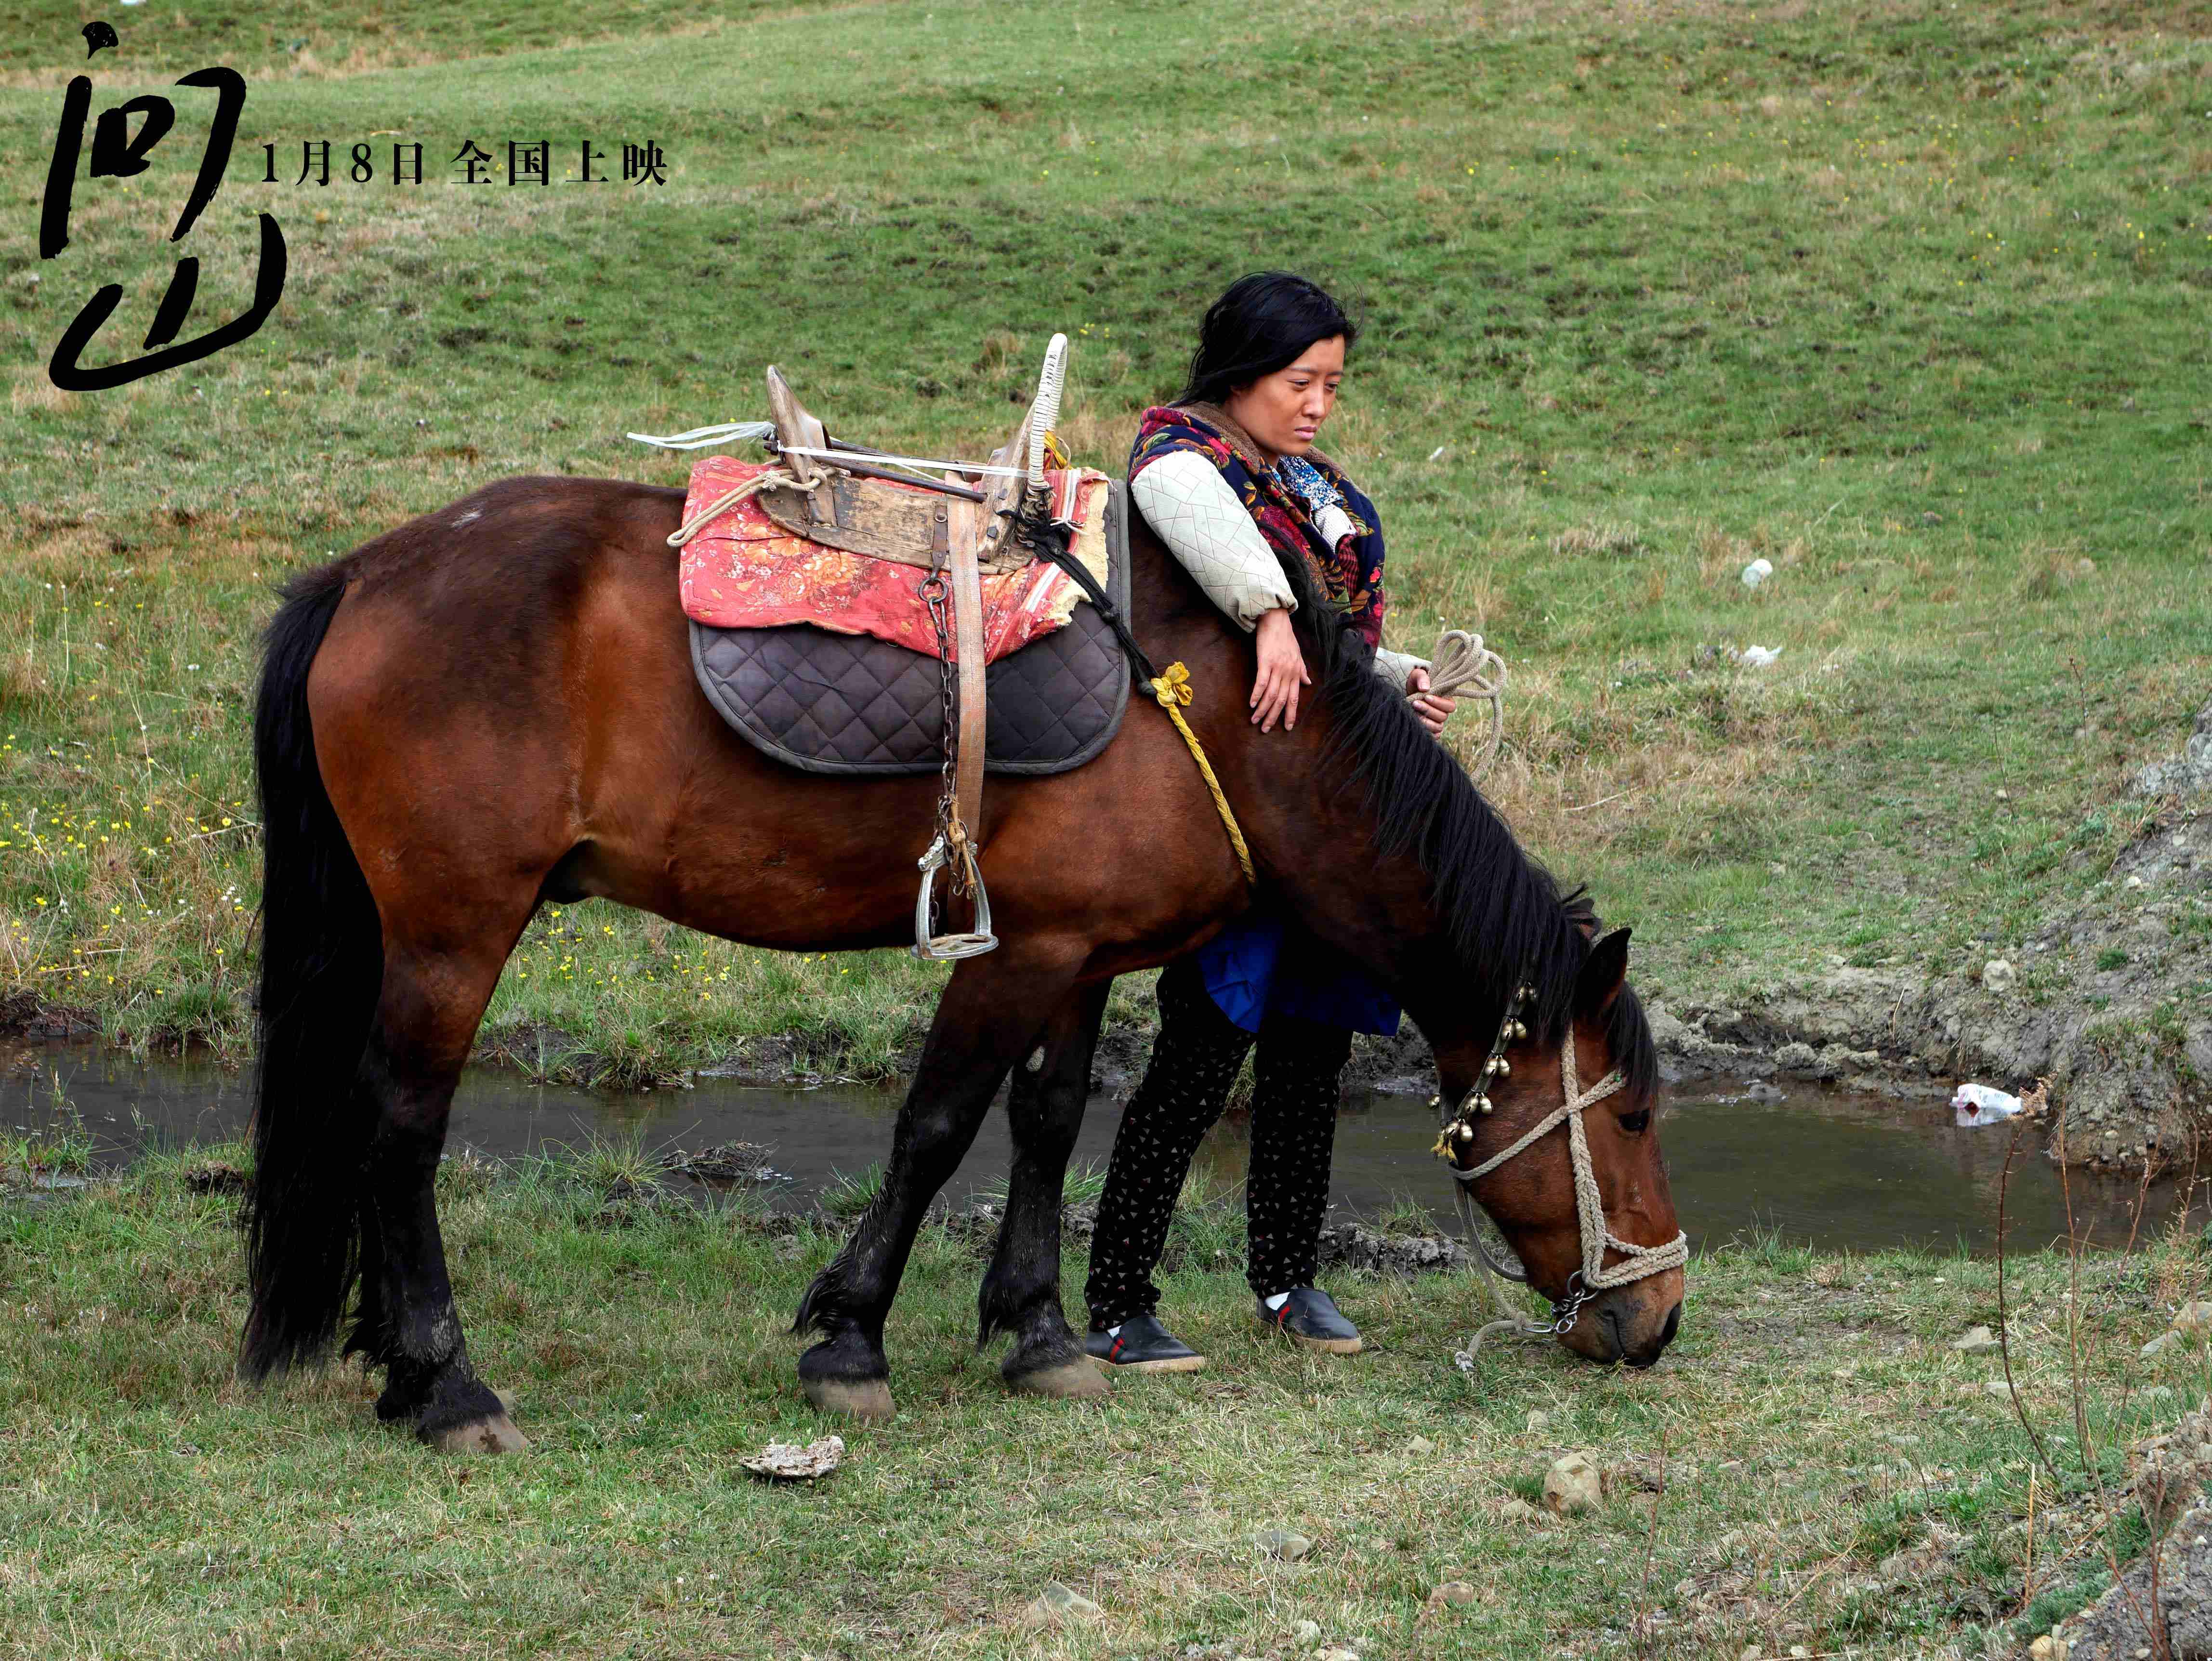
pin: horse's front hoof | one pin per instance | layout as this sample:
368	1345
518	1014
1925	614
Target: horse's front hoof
493	1434
867	1399
1065	1381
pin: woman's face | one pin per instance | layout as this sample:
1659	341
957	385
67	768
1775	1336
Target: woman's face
1283	411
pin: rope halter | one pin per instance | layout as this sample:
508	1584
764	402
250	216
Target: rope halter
1594	1276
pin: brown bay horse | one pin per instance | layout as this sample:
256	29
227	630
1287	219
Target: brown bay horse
492	708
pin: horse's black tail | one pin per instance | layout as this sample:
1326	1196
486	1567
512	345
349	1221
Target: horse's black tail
322	966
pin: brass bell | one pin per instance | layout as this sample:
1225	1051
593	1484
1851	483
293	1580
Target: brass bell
1482	1103
1436	1101
1465	1132
1514	1029
1501	1065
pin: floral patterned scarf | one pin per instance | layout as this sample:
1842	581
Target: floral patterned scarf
1351	573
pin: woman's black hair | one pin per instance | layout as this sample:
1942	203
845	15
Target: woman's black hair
1261	323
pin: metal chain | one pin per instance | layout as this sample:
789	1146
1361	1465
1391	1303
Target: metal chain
1567	1309
932	592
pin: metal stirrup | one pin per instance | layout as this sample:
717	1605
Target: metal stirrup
948	948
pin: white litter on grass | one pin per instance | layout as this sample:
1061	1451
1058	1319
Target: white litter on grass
1434	453
787	1462
1981	1105
1757	572
1759	657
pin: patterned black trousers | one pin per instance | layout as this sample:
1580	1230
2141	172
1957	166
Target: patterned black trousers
1194	1061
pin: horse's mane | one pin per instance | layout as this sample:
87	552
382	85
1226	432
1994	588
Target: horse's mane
1503	914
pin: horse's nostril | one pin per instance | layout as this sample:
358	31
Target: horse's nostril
1612	1324
1674	1324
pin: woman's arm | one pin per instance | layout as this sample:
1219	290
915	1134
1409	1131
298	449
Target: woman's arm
1410	675
1396	667
1184	498
1194	512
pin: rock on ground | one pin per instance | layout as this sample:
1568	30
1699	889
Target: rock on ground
2112	1631
2188	773
2168	1474
1282	1543
1058	1605
1572	1485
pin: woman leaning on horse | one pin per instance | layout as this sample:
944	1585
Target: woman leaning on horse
493	708
1227	477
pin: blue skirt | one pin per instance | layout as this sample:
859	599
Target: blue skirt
1263	965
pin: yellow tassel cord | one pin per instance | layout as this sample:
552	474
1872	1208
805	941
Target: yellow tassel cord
1172	688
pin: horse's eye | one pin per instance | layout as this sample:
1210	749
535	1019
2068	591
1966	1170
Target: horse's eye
1637	1123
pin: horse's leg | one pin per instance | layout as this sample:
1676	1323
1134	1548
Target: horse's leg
426	1021
1021	1291
991	1014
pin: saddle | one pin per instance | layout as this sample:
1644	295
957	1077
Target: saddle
857	705
854	612
867	509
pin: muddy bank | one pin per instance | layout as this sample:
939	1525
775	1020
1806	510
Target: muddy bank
1361	1248
2112	1003
2162	1602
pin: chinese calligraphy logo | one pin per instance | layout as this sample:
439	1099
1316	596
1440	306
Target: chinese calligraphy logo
117	152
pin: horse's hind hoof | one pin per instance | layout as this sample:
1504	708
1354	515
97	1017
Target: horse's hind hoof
493	1433
868	1399
1069	1381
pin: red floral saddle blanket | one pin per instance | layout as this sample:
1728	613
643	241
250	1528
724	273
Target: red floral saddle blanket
743	570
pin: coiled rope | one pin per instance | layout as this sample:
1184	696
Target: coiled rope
1463	666
729	499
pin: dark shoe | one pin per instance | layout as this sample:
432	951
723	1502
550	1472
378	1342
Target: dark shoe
1309	1315
1142	1345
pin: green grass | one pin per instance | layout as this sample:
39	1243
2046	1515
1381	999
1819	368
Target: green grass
1084	1183
849	1193
61	1147
1811	1422
1906	298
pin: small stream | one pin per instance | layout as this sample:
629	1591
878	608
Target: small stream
1827	1169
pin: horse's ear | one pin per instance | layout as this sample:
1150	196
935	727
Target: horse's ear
1603	974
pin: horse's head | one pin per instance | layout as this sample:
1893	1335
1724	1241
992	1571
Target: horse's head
1628	1308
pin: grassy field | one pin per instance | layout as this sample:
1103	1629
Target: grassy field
1811	1464
1908	298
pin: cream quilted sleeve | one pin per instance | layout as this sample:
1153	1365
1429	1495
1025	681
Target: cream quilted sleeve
1186	500
1395	667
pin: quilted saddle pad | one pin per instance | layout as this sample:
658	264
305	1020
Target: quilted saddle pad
852	703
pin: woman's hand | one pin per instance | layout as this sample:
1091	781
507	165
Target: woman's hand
1282	671
1433	711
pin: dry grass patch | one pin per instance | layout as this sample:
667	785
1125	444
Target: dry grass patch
1601	539
2047	572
